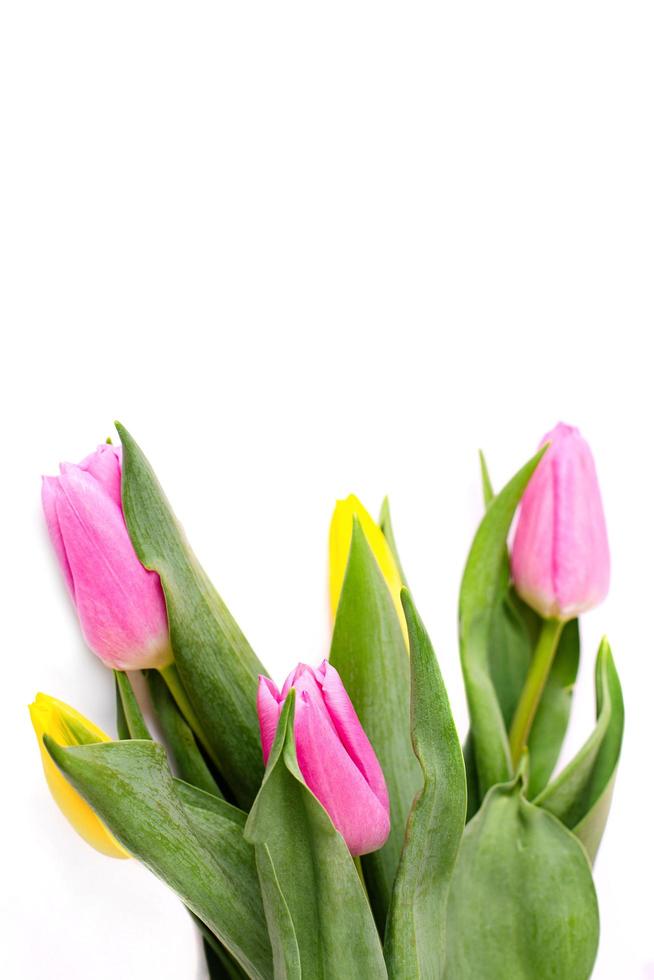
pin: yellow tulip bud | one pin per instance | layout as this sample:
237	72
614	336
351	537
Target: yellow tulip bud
67	727
340	540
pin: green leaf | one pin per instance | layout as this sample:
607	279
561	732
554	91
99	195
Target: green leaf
387	530
369	652
514	632
482	587
307	874
286	952
130	718
187	757
200	853
216	663
581	795
415	933
522	903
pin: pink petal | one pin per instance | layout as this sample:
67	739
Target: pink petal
560	555
350	732
120	604
105	466
333	777
49	493
268	709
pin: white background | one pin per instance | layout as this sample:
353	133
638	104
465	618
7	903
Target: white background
302	250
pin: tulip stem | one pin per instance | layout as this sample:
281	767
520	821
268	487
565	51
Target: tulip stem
532	692
171	676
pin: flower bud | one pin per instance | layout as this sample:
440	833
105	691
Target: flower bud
340	541
67	727
120	604
560	555
335	757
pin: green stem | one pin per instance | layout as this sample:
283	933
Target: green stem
537	675
171	676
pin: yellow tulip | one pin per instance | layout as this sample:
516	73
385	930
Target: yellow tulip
67	727
340	540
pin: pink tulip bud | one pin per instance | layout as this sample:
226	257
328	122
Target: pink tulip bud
560	555
335	757
120	604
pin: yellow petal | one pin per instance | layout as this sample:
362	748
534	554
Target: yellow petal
68	727
340	540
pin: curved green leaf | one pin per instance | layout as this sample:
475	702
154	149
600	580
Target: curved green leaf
187	757
482	587
581	795
415	933
369	652
216	663
315	875
522	902
200	854
386	528
514	629
286	952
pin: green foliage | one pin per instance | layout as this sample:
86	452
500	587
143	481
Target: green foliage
180	740
581	795
315	903
215	662
369	652
522	902
195	847
483	588
415	943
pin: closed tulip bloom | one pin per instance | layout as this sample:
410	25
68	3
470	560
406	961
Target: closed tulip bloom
68	727
120	604
340	541
335	757
560	555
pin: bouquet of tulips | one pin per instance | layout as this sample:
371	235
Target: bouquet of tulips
336	828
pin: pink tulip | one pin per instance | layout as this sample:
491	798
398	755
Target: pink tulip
560	555
120	604
335	757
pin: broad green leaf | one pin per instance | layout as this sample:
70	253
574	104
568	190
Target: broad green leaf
387	530
215	662
315	880
369	652
286	953
581	795
522	903
188	759
130	718
200	854
415	933
484	580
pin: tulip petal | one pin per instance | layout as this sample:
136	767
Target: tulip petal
560	556
120	603
269	710
104	465
52	717
351	733
340	541
332	775
50	491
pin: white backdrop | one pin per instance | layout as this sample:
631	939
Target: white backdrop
302	250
